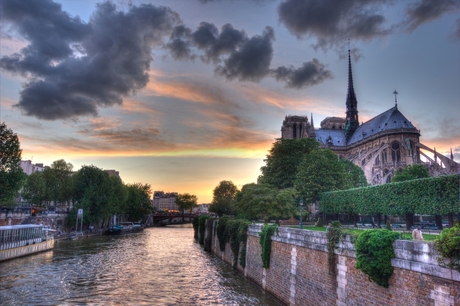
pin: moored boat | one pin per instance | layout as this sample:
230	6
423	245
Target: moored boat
25	239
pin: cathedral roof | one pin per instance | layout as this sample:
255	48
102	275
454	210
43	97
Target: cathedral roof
387	121
334	137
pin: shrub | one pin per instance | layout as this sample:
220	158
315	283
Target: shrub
202	227
221	231
374	251
266	243
448	247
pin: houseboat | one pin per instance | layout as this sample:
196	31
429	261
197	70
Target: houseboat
21	240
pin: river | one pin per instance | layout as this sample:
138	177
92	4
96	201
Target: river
159	266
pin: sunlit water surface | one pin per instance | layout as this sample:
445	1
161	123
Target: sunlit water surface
159	266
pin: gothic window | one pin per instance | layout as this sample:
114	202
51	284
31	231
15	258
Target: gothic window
377	160
294	131
395	152
384	156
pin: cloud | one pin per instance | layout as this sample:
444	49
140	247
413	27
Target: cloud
179	44
252	61
424	11
309	74
72	67
333	21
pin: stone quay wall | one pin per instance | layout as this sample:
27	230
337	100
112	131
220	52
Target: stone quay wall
299	272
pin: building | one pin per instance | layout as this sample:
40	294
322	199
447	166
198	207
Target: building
29	168
165	201
380	146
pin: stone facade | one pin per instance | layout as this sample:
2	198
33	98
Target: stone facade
380	146
299	272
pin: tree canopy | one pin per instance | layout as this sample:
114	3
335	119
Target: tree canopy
283	160
11	175
223	198
321	171
410	172
186	201
264	201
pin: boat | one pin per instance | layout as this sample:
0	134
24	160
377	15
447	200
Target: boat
24	239
124	228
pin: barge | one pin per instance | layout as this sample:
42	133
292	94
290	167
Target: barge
22	240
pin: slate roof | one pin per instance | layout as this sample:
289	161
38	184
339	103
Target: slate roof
337	137
387	121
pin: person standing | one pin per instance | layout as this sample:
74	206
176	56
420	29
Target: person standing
417	234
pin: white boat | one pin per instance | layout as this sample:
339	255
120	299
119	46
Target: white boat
25	239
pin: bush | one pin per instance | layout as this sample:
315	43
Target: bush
448	247
202	227
266	243
374	251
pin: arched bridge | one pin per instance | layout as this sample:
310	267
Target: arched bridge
160	217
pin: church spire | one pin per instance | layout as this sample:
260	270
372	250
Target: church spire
352	103
312	125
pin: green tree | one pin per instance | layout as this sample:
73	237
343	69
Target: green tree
186	201
321	171
92	193
223	198
34	190
264	201
357	176
283	160
412	172
138	200
11	175
58	182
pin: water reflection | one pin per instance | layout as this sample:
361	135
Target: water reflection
159	266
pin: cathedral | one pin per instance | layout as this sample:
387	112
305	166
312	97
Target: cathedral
380	146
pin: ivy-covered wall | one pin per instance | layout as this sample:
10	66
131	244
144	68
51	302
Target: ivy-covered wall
299	274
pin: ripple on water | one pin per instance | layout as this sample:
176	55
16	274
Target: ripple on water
159	266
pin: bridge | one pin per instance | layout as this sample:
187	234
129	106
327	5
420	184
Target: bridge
156	218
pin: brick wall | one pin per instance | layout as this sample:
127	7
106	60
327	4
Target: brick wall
299	272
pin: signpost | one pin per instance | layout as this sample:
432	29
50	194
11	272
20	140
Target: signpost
79	217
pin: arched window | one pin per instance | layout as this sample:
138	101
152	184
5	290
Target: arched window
395	152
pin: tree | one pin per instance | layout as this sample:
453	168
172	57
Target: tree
92	193
321	171
264	201
34	190
58	182
11	175
412	172
186	201
357	176
138	201
223	198
283	160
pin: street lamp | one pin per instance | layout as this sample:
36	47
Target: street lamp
301	212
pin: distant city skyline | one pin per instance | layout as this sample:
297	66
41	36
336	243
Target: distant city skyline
182	94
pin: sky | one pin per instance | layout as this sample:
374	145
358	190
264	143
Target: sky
183	94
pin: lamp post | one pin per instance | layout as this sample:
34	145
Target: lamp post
301	212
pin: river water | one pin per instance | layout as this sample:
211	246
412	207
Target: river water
159	266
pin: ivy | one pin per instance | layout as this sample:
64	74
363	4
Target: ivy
243	238
333	235
221	229
195	223
266	243
202	227
374	251
236	233
448	247
427	196
208	240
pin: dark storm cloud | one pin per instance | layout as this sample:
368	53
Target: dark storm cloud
427	10
333	21
179	44
310	73
215	44
73	68
456	34
251	62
